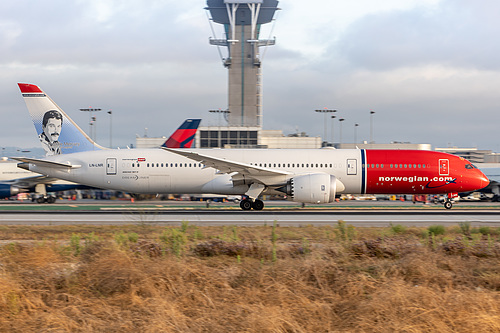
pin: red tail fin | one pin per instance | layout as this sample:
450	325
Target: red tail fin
183	137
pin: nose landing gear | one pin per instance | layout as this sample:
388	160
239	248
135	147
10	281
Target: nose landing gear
447	203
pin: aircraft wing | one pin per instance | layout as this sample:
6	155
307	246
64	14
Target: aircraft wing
45	163
227	166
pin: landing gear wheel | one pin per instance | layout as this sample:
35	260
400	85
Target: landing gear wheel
40	200
258	205
51	200
448	204
246	204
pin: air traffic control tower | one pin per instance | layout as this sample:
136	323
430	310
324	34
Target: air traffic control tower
242	20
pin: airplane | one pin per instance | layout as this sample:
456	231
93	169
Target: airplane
304	175
183	137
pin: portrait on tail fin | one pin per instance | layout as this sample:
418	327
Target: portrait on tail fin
51	130
49	120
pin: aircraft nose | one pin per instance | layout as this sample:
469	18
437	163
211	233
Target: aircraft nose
483	181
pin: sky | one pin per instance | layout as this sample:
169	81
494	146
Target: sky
429	69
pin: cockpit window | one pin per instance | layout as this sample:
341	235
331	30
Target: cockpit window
470	166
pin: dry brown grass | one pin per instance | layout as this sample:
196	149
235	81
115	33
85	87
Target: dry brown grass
318	282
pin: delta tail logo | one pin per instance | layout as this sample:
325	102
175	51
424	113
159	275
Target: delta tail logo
183	137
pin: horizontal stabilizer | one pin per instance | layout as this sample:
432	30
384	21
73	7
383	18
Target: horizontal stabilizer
45	163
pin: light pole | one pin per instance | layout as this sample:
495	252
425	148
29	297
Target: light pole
92	120
333	123
341	120
371	125
110	129
325	111
355	130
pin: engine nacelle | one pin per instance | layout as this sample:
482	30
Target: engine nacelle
313	188
7	190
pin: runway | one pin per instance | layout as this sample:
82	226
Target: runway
358	218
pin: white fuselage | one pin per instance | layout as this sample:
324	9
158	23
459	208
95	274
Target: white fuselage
159	171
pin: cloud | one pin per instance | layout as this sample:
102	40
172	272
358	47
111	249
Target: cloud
457	33
427	67
103	32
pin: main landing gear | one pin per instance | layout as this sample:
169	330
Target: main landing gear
247	204
45	199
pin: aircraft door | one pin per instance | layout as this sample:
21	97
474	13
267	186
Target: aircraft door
111	166
444	167
352	166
